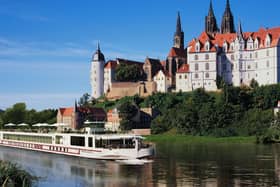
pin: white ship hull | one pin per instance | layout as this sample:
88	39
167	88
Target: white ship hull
93	152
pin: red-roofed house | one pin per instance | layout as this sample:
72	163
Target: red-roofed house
163	81
75	117
183	79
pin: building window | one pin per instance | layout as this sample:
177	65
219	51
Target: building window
196	76
207	75
267	53
267	64
249	66
256	65
232	57
207	66
251	56
195	57
180	76
196	67
186	76
256	55
241	56
207	57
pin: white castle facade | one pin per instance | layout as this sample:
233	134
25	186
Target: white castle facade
237	57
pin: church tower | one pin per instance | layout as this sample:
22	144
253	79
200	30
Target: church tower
97	73
227	22
210	21
179	34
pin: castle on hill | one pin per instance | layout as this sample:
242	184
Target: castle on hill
225	53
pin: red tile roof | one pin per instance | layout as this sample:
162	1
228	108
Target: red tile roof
219	39
185	68
66	111
177	52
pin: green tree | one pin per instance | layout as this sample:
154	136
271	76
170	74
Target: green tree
127	112
254	84
125	73
16	114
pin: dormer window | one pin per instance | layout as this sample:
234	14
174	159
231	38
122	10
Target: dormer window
207	46
225	47
232	46
250	43
256	44
197	47
267	41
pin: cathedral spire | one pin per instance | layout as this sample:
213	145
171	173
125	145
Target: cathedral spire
240	31
179	34
211	11
210	21
227	22
178	26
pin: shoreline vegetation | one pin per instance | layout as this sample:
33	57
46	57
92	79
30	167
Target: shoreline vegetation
189	139
245	111
13	175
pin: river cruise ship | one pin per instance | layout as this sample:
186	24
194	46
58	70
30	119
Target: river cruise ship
108	147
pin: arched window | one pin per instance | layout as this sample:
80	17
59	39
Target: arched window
207	66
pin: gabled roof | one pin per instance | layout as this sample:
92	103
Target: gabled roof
218	39
66	111
177	52
185	68
111	64
152	61
128	62
165	73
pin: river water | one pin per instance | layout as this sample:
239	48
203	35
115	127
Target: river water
206	165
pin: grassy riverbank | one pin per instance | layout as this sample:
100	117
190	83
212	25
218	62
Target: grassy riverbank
198	139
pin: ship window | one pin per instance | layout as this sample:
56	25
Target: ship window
78	140
90	141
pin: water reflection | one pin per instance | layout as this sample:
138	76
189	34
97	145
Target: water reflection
205	165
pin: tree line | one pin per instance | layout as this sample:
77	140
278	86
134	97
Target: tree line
18	113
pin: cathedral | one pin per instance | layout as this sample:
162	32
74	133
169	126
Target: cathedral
225	53
235	56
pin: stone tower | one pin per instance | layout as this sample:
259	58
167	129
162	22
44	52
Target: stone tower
210	21
97	74
227	22
179	34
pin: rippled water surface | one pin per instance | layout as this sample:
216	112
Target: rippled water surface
174	165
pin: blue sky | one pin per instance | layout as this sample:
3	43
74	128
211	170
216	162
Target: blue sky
46	45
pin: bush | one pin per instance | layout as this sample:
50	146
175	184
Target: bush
12	175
